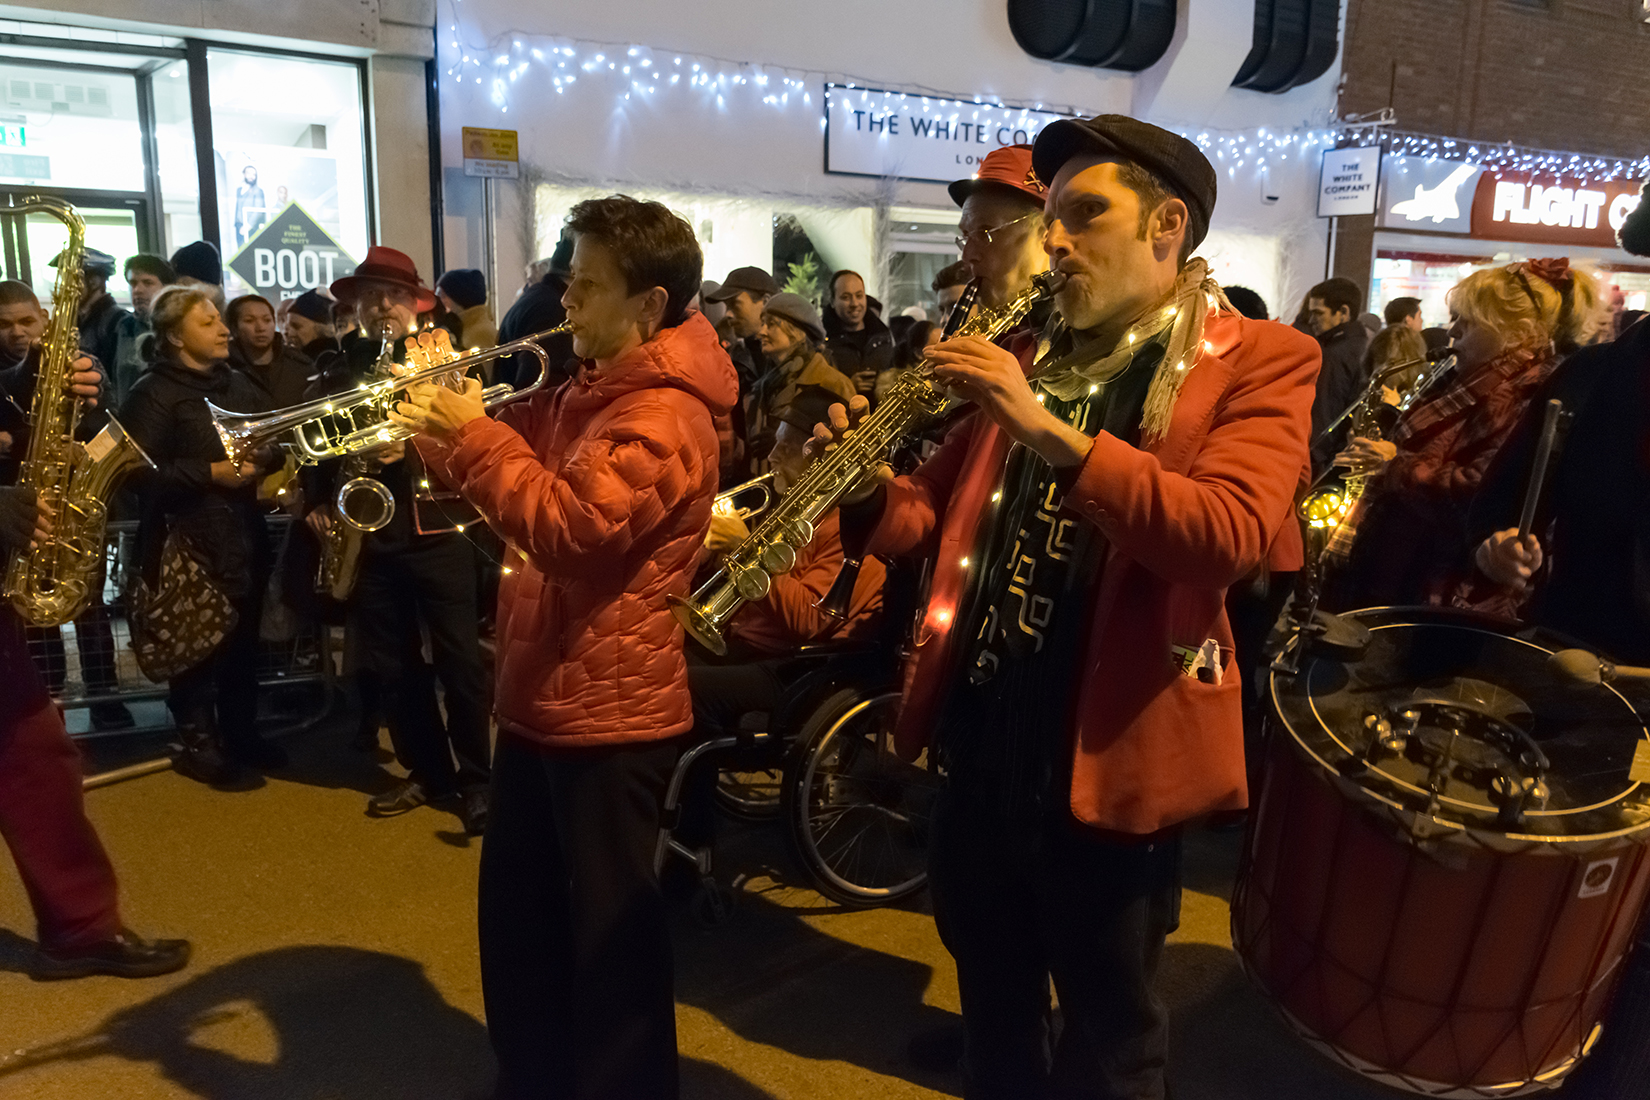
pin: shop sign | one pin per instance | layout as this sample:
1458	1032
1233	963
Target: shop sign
1545	209
291	255
1346	183
492	153
869	132
1422	193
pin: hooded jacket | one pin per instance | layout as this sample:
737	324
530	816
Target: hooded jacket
602	492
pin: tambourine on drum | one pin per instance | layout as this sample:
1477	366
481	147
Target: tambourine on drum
1447	856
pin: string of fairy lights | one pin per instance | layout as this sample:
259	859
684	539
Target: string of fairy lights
515	67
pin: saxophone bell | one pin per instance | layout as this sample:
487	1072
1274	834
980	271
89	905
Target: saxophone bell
365	503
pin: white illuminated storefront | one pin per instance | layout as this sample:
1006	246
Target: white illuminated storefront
1439	219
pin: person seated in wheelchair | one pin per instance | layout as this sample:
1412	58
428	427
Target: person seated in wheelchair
766	635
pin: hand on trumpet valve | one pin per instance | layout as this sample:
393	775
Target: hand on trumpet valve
1366	456
1508	560
25	519
429	348
438	411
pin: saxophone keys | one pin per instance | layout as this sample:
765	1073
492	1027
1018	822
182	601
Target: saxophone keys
752	582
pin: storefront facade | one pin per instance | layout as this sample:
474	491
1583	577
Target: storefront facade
237	133
1437	220
804	146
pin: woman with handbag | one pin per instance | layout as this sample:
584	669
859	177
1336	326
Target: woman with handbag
204	552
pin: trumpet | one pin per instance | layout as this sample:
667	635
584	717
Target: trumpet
727	504
352	423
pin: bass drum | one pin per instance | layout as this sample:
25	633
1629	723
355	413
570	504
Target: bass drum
1447	856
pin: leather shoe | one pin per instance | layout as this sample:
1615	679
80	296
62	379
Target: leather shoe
125	955
475	811
405	796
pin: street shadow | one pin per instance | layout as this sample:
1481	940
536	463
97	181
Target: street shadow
1228	1042
773	979
307	1021
708	1081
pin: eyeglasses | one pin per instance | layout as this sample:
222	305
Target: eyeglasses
989	235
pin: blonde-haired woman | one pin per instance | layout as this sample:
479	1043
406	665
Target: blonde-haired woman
1511	326
212	502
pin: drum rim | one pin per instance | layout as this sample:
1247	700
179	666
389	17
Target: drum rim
1464	620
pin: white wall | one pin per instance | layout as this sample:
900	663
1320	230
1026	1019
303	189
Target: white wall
680	139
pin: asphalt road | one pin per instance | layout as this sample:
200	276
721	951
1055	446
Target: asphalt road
335	957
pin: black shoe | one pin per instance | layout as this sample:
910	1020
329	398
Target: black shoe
475	811
255	752
365	739
111	716
126	955
201	758
405	796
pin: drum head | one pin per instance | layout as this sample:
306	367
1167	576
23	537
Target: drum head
1449	715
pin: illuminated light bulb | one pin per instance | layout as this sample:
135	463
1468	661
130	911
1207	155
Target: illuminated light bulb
995	497
1095	388
942	616
1180	365
1040	398
1131	337
963	563
508	570
1208	345
425	484
384	434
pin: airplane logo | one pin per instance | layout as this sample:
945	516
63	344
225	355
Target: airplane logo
1438	203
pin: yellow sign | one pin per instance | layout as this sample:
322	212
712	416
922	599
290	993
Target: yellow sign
491	153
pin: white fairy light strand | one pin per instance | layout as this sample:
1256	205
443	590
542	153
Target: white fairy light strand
643	72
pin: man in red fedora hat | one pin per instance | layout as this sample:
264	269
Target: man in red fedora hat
418	572
1000	232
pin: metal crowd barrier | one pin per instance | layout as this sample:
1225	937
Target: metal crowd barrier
90	661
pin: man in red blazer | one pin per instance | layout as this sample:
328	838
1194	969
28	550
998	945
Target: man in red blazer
602	493
1074	672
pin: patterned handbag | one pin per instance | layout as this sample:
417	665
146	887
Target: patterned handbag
183	619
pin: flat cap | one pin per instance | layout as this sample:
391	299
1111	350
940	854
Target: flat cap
753	279
1172	158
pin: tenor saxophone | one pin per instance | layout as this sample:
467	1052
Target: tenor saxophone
915	398
54	582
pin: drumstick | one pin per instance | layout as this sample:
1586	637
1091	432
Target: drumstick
1538	472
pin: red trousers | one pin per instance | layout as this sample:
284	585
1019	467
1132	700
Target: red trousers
65	870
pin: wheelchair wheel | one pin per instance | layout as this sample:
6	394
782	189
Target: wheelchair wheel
857	815
749	795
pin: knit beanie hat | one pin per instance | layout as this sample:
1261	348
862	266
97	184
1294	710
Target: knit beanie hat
199	261
466	286
315	306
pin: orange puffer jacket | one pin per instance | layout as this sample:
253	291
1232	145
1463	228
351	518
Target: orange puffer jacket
602	491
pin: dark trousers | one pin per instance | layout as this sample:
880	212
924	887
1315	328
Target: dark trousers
427	582
576	966
1020	903
224	687
65	871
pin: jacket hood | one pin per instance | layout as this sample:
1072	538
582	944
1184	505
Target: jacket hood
688	357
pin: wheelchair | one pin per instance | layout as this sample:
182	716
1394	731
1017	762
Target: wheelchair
822	763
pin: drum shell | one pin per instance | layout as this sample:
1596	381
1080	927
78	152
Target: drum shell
1444	967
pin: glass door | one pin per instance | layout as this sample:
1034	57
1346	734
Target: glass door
29	244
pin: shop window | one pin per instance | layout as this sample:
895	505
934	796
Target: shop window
289	151
69	128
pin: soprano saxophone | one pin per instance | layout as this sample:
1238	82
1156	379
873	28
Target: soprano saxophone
54	582
748	571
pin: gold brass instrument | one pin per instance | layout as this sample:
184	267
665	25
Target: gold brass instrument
1330	499
747	571
357	421
362	505
53	583
727	503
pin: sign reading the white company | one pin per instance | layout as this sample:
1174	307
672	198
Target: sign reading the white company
876	133
1347	185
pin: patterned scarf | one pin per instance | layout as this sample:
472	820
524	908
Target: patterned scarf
1181	314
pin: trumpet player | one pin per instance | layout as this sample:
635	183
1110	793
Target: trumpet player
1073	671
410	582
602	490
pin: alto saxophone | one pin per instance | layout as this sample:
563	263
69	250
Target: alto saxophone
748	570
363	504
53	583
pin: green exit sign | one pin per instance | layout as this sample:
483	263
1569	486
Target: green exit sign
12	136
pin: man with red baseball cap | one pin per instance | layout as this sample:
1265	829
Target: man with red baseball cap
1000	233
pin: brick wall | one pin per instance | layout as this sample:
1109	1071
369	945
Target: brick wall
1554	74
